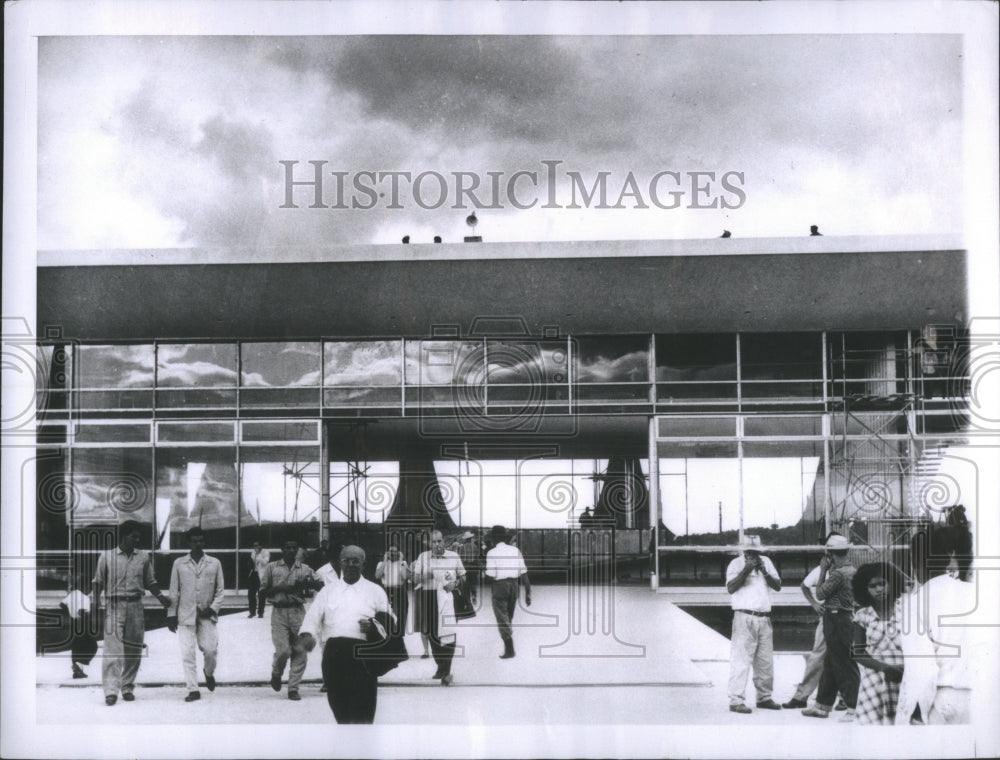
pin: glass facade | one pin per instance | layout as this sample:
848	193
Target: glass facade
230	435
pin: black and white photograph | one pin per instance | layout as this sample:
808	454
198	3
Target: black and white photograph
490	379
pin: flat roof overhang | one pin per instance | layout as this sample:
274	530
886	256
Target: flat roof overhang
593	287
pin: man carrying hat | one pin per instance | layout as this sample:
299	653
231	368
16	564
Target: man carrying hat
749	580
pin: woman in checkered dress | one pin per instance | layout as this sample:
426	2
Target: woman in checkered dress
877	587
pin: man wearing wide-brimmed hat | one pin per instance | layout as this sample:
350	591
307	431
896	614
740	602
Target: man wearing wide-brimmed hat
749	580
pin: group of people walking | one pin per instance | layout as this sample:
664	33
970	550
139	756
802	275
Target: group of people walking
882	642
347	611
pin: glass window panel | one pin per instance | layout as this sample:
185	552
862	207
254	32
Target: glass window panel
196	365
697	427
679	392
111	485
778	491
206	432
696	358
281	364
279	397
781	356
784	425
756	389
138	433
280	431
196	397
362	396
115	366
444	362
196	487
362	363
619	358
113	400
280	484
365	490
525	362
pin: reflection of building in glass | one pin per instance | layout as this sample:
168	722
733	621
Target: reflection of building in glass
785	385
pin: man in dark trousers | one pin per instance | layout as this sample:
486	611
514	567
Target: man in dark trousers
339	618
840	671
506	569
123	574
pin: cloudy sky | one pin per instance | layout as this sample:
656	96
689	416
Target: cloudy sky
176	141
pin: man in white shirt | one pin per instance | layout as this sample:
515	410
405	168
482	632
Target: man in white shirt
196	592
339	619
506	569
749	580
437	573
328	571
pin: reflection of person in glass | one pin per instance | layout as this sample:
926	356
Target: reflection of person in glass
437	573
123	574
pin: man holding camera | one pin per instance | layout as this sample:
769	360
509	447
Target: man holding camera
750	578
285	583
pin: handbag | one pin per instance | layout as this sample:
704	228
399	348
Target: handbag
384	651
463	605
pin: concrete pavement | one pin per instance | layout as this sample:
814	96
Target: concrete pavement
653	685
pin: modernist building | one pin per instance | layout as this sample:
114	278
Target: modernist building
707	386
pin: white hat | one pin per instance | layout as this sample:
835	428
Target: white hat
837	542
751	543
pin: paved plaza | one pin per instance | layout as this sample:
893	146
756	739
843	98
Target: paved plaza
651	677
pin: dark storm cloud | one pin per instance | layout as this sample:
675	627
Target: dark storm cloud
470	88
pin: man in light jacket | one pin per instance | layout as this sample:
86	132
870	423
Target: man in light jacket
196	591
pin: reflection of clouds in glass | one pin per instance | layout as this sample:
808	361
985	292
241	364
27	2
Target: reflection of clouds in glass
631	367
116	366
526	363
199	373
367	363
443	362
282	364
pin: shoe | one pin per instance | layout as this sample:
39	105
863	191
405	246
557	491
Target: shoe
252	615
322	689
438	674
294	695
446	681
795	704
194	696
424	656
78	672
110	699
768	704
261	615
210	682
847	717
128	696
275	682
506	655
816	712
841	705
742	709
